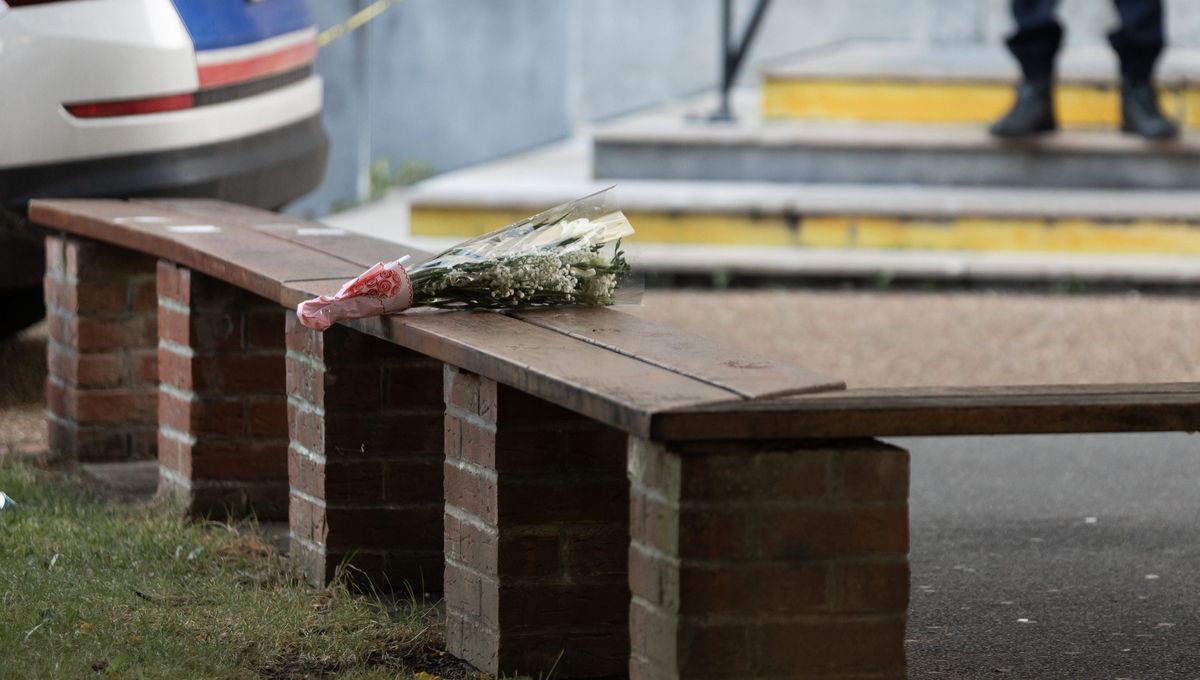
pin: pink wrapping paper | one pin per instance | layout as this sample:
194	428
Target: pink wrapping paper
382	289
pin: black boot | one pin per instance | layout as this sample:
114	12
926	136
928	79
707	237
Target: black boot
1140	113
1033	112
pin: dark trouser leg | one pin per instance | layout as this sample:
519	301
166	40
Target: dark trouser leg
1140	39
1037	38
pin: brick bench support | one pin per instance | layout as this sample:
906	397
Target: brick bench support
222	437
773	561
102	382
365	459
536	534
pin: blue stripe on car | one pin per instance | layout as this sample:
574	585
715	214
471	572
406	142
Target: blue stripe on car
214	24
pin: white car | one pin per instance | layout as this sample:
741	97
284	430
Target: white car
121	98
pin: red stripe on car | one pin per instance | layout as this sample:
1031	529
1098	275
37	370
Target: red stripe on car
215	75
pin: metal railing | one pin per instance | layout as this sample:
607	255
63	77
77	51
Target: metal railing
733	55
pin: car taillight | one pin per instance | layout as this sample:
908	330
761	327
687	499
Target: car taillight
132	107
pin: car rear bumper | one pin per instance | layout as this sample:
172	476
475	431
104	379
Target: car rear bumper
267	170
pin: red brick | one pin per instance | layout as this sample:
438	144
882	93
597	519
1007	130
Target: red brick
378	434
409	481
116	405
242	461
598	553
715	651
302	339
874	474
91	260
832	647
174	283
143	293
563	605
202	417
353	390
265	329
471	545
752	590
465	489
595	499
305	474
871	586
306	428
521	450
88	298
55	256
377	528
102	370
807	533
452	437
239	373
523	558
520	410
775	476
269	418
145	367
419	384
307	520
175	326
599	449
461	389
60	326
215	331
174	369
105	334
477	444
464	589
305	382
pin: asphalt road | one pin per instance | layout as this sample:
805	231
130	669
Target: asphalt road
1055	557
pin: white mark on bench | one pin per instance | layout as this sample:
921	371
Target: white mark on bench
320	231
142	219
1090	520
1151	577
195	229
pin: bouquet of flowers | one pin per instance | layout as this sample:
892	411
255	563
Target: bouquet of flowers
568	255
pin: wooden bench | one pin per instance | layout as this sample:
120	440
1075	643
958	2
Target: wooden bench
640	500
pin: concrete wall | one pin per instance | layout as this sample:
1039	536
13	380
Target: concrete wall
450	83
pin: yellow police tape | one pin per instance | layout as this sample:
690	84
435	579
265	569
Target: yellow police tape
356	21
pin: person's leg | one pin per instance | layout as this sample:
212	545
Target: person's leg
1038	36
1140	39
1139	42
1035	45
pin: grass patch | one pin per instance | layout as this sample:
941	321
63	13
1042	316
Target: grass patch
89	588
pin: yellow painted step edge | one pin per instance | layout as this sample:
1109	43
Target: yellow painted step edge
931	102
848	231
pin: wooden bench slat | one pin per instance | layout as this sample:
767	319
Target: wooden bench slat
360	249
609	387
1039	409
748	375
255	262
751	376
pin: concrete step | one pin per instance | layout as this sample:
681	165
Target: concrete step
888	81
845	217
662	148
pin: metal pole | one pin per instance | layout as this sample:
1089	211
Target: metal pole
724	112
